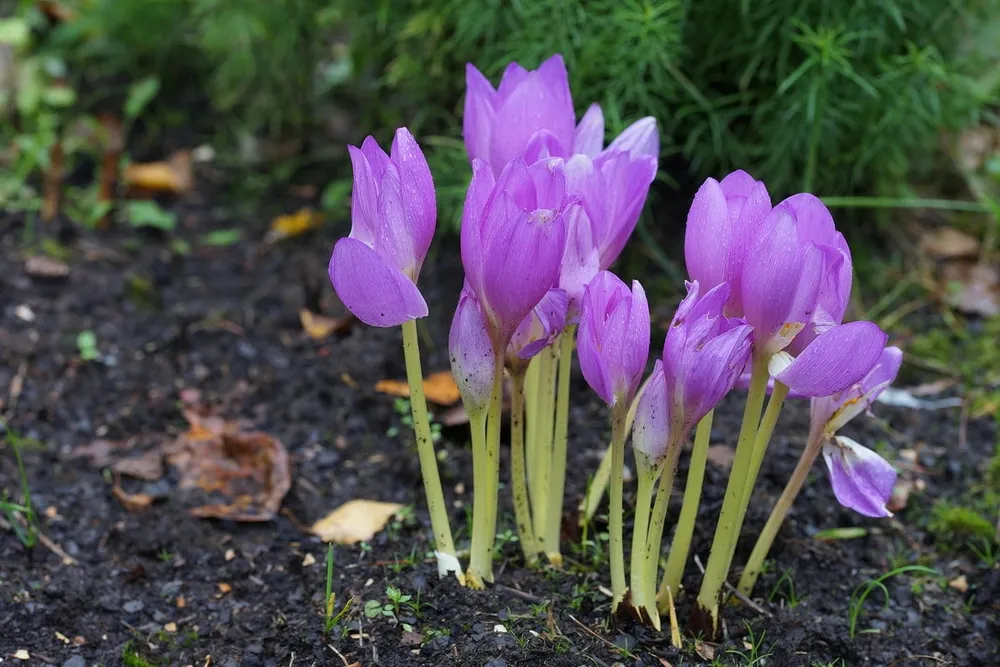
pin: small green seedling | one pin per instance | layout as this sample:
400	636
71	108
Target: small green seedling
331	619
865	589
86	344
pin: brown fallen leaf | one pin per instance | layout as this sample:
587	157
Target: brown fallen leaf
100	452
173	175
948	243
355	521
293	224
250	470
706	651
133	502
148	466
972	288
900	495
439	388
320	327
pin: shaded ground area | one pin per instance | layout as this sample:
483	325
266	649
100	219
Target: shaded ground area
161	587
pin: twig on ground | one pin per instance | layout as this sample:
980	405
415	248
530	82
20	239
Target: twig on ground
735	593
591	632
534	599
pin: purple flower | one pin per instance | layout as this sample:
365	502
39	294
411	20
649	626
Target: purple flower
723	221
513	237
613	340
612	187
703	355
539	329
862	480
832	362
471	352
830	413
393	213
529	112
530	115
835	287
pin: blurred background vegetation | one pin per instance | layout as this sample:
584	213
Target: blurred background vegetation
835	98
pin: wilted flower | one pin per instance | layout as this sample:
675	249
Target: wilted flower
613	341
471	353
513	236
393	214
861	479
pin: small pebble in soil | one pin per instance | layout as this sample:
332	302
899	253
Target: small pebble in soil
496	662
75	661
132	606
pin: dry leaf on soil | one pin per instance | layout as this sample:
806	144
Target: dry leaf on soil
320	327
439	388
948	243
40	266
133	502
174	175
148	466
972	288
249	470
355	521
293	224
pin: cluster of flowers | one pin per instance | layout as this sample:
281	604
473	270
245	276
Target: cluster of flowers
547	212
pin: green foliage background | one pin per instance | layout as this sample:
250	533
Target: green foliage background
832	97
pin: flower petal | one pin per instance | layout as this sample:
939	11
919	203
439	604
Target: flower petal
542	145
651	427
377	158
480	114
861	479
540	327
835	360
842	407
640	139
417	189
473	212
538	102
376	293
627	181
393	237
581	260
780	282
589	137
520	262
707	236
364	198
471	354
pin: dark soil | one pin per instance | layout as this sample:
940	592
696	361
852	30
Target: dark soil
161	587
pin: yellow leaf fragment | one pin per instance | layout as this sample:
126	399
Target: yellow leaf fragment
439	388
294	224
355	521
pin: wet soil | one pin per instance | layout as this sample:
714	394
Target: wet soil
161	587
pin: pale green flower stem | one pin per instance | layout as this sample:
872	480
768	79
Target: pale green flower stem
728	528
557	477
444	546
519	481
484	508
681	545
